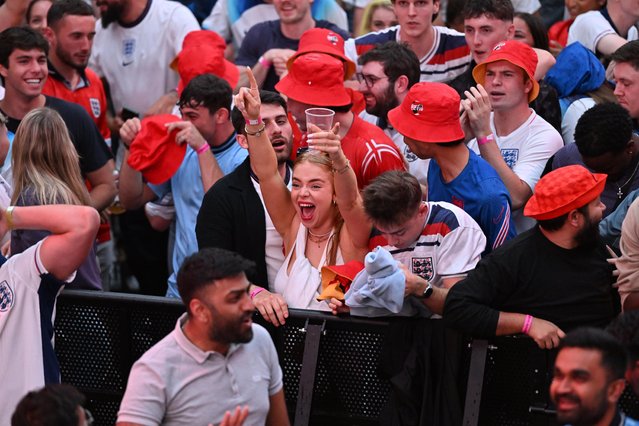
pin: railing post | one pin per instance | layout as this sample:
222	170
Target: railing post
307	375
475	382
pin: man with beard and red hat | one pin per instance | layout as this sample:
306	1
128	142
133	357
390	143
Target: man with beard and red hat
548	280
214	360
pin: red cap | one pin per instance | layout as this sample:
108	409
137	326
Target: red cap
562	190
429	113
315	79
203	52
518	54
154	151
337	279
321	40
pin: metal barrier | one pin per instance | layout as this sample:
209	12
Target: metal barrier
333	366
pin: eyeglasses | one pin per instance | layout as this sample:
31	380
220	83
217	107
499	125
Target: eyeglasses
368	80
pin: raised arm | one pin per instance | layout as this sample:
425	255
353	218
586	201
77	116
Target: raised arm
347	196
133	191
73	230
263	160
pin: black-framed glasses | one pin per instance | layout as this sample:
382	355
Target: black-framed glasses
368	80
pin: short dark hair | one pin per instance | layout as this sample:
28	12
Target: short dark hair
205	267
614	357
397	59
498	9
556	223
603	128
23	38
267	98
60	8
392	198
537	29
625	328
209	91
628	53
53	405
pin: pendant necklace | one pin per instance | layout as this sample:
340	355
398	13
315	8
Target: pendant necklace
621	188
318	238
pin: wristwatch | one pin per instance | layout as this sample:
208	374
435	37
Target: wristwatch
428	291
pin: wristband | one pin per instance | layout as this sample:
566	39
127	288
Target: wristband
8	214
527	324
485	139
256	292
203	149
254	121
264	62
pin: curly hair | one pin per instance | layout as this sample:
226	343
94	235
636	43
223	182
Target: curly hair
603	128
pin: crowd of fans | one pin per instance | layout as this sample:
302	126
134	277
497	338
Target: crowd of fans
481	168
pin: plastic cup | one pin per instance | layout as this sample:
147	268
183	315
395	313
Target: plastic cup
320	117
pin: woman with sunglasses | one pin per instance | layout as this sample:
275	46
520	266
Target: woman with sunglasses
321	220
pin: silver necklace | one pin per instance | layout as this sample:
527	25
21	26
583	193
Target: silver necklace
620	193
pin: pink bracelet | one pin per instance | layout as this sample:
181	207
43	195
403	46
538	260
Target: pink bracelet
256	292
527	324
203	149
264	62
485	140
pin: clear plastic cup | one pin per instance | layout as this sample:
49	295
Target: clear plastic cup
320	117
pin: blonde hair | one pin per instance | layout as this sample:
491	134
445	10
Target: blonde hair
367	15
44	161
322	160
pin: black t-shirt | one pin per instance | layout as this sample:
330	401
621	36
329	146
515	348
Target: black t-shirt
268	35
88	142
531	275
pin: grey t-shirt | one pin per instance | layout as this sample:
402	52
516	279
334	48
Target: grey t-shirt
176	383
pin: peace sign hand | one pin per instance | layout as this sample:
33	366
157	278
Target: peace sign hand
248	99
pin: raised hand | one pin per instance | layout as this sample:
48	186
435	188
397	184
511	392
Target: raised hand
477	108
130	130
188	134
248	99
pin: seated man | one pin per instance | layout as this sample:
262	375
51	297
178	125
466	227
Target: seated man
29	285
428	117
588	379
605	144
437	243
626	329
550	279
214	360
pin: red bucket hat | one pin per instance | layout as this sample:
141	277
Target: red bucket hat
154	151
518	54
321	40
315	79
563	190
203	52
429	113
337	279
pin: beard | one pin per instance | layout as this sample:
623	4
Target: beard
68	59
588	236
112	14
586	415
384	104
230	330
